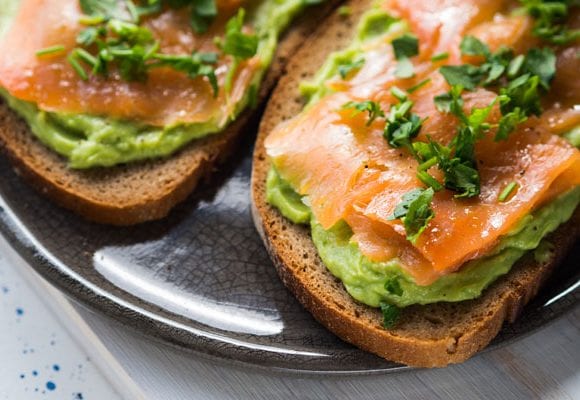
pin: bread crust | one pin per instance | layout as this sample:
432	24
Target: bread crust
425	336
142	191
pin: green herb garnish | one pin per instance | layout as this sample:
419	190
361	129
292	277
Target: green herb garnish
405	47
440	57
419	85
506	193
50	50
346	68
390	314
550	20
520	79
394	287
114	36
415	212
402	125
371	107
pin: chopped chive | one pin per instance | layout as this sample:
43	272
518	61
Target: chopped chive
85	56
122	52
429	181
77	67
50	50
428	164
398	93
440	57
91	19
503	196
418	85
152	50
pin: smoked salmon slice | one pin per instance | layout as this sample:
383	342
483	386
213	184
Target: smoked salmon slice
348	171
166	98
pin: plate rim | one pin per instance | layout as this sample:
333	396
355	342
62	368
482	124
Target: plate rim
161	330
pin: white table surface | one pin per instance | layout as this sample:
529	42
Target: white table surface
544	365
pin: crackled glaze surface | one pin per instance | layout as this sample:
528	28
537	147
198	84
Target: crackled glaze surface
201	279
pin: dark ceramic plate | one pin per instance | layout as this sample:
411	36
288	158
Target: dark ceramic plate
201	279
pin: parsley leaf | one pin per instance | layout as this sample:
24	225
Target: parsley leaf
467	76
202	14
415	212
236	42
394	287
104	9
461	178
390	313
451	102
194	65
405	47
550	20
402	125
344	69
371	107
541	62
472	46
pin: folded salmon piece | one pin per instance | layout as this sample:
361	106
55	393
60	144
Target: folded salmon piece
349	172
168	97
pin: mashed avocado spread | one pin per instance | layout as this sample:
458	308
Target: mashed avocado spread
90	141
375	282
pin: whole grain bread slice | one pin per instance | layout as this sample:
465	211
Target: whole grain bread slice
427	336
139	192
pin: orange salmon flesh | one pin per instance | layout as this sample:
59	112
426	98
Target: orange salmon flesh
349	172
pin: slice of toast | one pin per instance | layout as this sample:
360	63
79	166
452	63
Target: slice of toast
144	191
427	336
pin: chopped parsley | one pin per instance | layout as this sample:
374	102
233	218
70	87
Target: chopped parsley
344	69
402	125
237	43
393	286
467	76
390	313
521	80
203	12
405	47
114	36
415	212
550	20
371	107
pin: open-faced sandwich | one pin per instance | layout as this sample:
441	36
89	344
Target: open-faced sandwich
116	108
428	185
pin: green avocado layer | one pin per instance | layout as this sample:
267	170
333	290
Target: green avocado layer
95	141
374	282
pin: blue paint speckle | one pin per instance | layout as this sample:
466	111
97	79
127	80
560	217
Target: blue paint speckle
4	289
22	376
52	342
35	373
78	396
50	385
56	367
19	311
